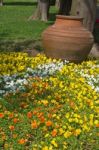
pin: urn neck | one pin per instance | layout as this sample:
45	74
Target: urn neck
68	21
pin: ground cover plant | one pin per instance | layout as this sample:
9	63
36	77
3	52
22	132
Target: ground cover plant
48	104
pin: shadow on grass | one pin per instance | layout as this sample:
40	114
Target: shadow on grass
20	3
52	18
2	35
19	45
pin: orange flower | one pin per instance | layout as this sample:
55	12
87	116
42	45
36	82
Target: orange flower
72	104
22	141
15	120
45	84
11	127
97	125
40	115
34	112
23	105
34	85
58	97
24	94
49	115
49	123
29	114
3	137
14	136
42	119
57	126
1	115
11	115
54	132
34	124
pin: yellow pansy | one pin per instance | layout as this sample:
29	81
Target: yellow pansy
45	148
46	135
67	134
77	132
54	143
61	131
45	102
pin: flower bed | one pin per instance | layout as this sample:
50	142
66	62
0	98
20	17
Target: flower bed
48	104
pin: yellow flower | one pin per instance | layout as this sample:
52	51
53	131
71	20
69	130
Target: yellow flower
46	135
58	117
53	101
69	127
65	145
76	120
96	122
6	146
45	102
81	121
67	134
91	122
54	115
77	132
61	85
51	147
85	128
67	115
45	148
61	131
82	80
70	120
53	142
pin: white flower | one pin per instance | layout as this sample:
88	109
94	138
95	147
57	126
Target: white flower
2	91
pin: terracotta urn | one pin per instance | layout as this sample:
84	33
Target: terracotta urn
67	39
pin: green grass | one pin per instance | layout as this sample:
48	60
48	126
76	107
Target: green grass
14	22
15	28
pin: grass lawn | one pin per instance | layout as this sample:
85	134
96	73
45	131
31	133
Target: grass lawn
14	24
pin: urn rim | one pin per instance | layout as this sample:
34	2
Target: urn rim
69	17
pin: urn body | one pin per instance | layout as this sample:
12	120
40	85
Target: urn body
67	39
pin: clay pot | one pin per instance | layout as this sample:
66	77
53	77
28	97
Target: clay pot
67	39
